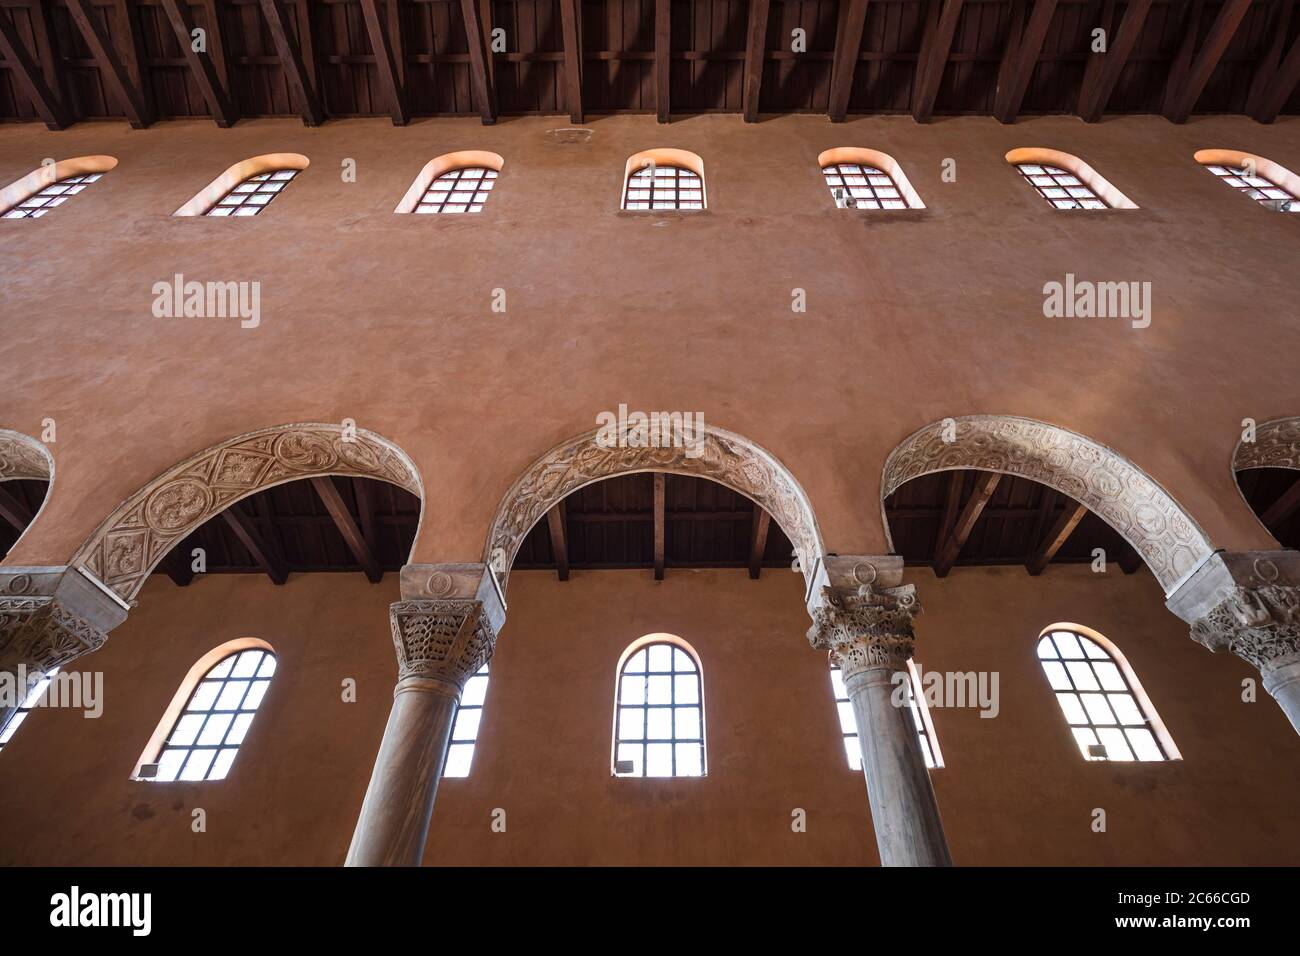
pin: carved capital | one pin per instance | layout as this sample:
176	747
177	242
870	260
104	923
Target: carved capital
1260	625
444	640
867	628
49	617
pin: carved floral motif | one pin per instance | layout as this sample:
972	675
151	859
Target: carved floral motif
36	630
867	628
445	639
23	457
1276	445
1258	624
1141	511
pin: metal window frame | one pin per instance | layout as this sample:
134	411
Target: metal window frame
1055	173
672	706
435	201
682	179
470	742
842	170
265	184
52	196
1225	173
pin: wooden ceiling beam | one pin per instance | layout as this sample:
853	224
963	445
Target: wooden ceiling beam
242	525
571	28
289	50
177	568
1274	91
755	54
1066	522
201	65
381	44
758	540
848	41
134	59
1104	69
951	503
112	74
479	81
663	64
559	544
1189	89
329	495
13	512
1130	562
659	509
1022	57
985	484
1283	508
31	79
934	60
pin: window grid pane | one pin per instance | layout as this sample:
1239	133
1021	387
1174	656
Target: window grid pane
252	195
458	190
664	187
206	737
55	194
1097	700
1061	188
856	186
33	697
849	730
660	714
464	732
1264	191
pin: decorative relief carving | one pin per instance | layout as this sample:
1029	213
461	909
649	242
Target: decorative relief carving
38	631
449	640
127	546
725	458
1258	624
1141	511
1276	445
23	457
867	628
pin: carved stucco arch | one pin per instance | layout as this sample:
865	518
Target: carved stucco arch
126	547
1121	494
1276	445
23	457
724	457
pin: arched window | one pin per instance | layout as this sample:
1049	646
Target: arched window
1109	714
254	194
1272	186
920	718
867	179
31	700
1066	181
659	715
664	179
51	185
464	733
209	717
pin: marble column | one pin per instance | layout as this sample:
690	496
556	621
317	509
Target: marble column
444	630
862	615
49	617
1248	602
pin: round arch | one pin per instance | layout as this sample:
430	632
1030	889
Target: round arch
718	455
135	537
1276	445
22	457
1121	494
1094	180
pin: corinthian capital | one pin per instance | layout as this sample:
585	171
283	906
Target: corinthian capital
1259	624
50	616
865	628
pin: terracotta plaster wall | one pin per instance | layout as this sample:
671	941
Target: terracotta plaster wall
387	318
1013	790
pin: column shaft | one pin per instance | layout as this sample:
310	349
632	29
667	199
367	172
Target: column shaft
1284	684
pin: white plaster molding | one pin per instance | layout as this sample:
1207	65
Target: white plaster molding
726	458
1120	493
126	547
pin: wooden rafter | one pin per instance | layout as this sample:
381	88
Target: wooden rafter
289	50
559	544
128	22
13	512
1277	78
848	41
1285	506
1187	90
1104	69
480	82
934	59
755	54
329	495
758	540
386	62
178	566
985	485
571	27
1130	562
31	78
1020	60
259	547
663	58
951	502
1066	522
112	73
659	509
202	65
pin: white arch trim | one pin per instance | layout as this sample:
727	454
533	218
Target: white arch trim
1276	445
445	164
211	194
50	173
1089	176
1120	493
138	534
723	457
22	456
882	161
